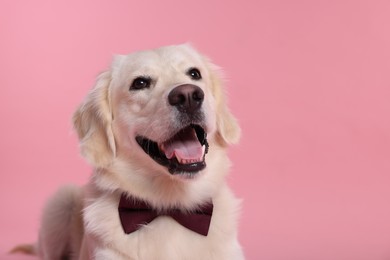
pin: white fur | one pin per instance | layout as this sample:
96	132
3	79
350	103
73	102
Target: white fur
83	223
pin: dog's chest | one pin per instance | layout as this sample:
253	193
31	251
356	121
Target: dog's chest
163	238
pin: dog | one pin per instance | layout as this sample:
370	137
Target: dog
155	127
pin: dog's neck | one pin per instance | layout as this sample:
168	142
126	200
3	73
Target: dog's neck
161	192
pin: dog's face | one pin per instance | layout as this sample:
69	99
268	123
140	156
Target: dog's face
159	109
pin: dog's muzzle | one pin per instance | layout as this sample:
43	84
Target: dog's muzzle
184	152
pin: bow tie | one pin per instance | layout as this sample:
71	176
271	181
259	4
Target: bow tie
134	213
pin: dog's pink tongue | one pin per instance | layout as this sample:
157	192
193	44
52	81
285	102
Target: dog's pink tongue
184	145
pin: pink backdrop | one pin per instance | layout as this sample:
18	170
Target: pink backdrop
308	80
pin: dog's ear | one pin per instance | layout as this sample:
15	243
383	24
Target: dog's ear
92	121
228	130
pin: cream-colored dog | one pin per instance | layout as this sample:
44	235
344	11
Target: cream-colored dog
155	128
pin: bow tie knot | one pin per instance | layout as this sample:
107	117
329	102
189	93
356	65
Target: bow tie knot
134	213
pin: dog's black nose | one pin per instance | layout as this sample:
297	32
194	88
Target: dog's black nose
186	98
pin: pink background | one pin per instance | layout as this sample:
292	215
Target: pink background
308	80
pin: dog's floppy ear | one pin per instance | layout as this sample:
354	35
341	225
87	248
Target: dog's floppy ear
92	121
228	130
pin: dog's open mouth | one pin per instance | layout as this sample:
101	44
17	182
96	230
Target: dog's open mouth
183	153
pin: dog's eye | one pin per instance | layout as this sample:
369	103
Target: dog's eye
140	83
194	74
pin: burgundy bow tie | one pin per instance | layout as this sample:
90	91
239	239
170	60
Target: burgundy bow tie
135	213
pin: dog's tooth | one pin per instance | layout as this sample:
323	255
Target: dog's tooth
180	160
188	161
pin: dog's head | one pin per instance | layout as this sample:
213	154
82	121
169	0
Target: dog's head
160	109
